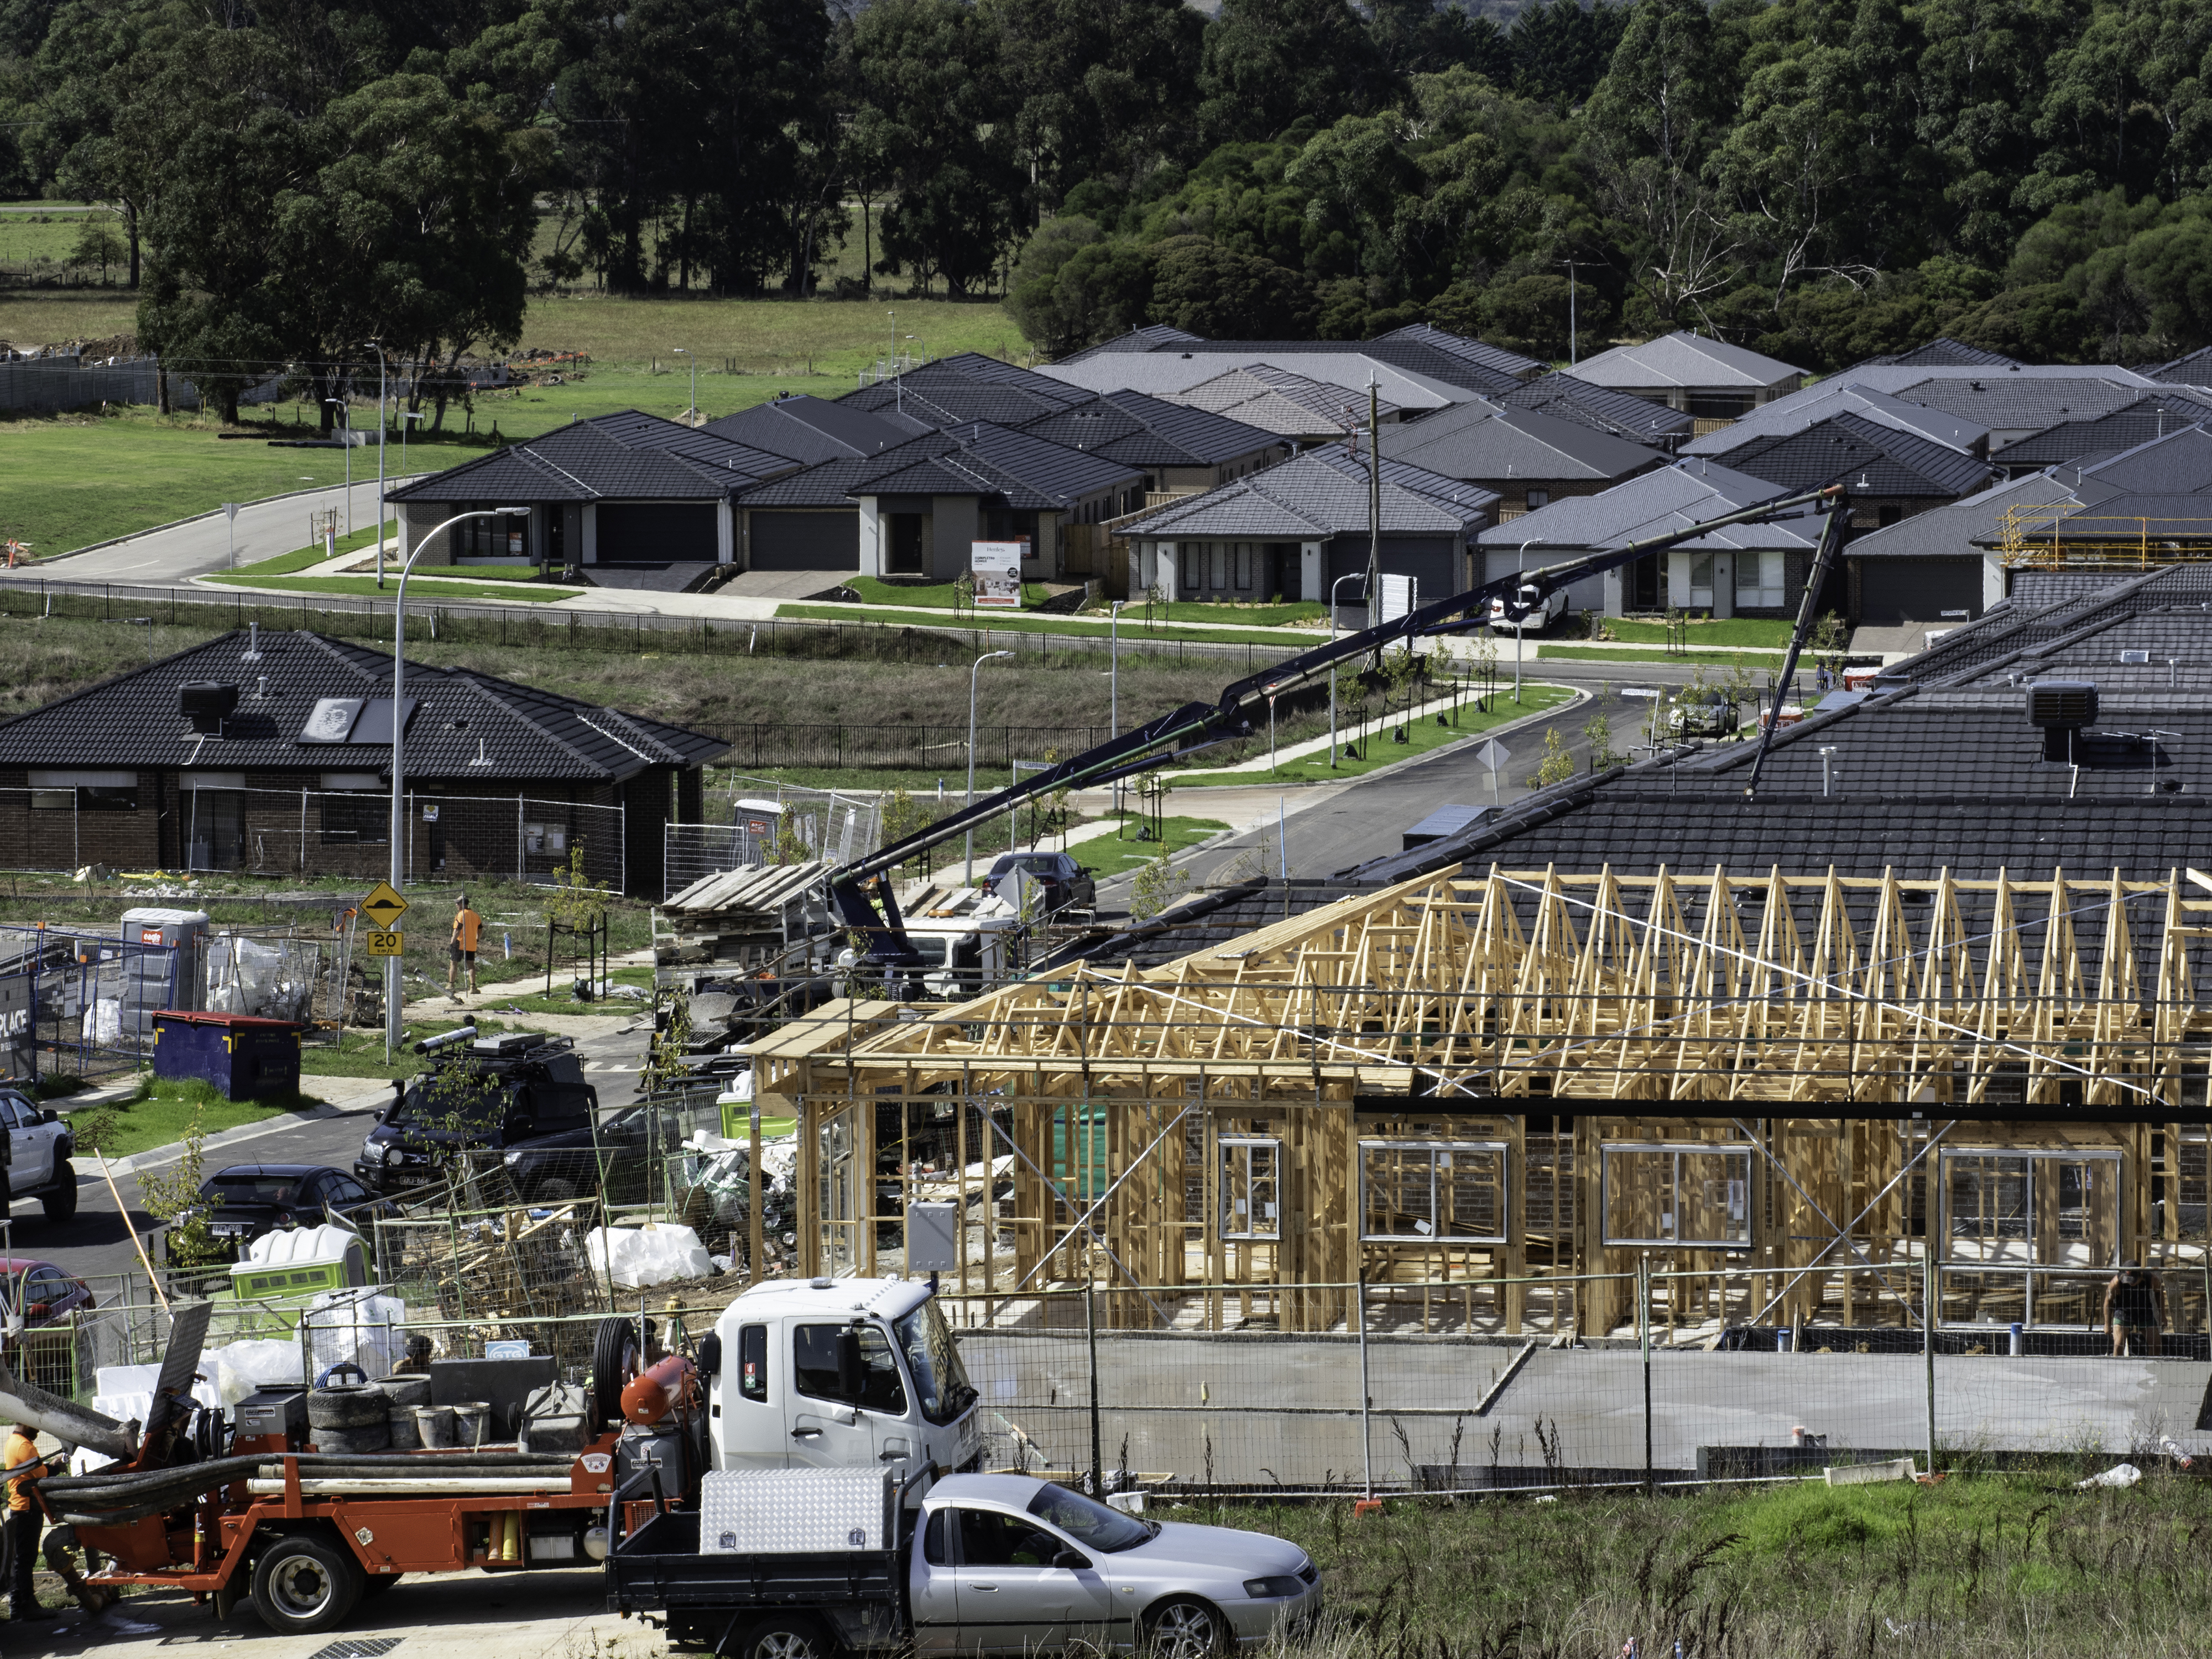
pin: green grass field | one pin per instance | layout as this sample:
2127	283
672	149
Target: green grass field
1601	653
164	1114
361	541
1731	630
989	621
1108	857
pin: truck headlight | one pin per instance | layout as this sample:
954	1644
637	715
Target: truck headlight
512	1157
369	1153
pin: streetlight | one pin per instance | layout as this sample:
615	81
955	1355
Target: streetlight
1357	575
1521	593
339	404
377	346
968	877
692	413
1114	659
399	725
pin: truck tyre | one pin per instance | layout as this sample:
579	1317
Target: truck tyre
358	1407
786	1637
556	1191
373	1438
376	1583
59	1200
305	1583
616	1359
1184	1627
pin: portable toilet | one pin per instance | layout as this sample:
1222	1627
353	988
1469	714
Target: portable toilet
151	981
299	1261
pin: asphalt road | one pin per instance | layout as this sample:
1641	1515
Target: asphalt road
176	552
96	1240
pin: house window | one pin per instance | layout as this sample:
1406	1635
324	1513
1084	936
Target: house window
1692	1195
107	797
1250	1191
1217	565
501	538
1189	560
1758	581
1539	498
1244	559
1417	1192
2029	1235
53	800
361	820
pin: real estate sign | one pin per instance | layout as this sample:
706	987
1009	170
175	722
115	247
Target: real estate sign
997	567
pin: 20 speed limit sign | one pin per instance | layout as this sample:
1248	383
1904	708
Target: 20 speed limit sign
382	944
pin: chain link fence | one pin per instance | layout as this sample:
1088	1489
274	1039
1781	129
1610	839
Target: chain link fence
746	822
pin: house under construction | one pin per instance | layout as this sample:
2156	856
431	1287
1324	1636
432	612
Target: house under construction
1930	1010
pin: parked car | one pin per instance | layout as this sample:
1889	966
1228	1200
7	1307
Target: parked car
36	1155
246	1201
1066	882
1540	616
477	1095
43	1292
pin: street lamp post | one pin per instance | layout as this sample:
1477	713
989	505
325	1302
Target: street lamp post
346	427
691	415
968	877
391	988
378	347
1357	575
1114	660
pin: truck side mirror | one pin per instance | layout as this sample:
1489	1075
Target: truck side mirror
852	1377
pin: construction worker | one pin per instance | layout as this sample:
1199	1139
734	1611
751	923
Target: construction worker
467	924
23	1522
2135	1310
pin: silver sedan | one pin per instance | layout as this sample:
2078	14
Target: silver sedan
1010	1565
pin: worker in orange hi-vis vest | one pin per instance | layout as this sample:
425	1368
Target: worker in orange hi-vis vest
22	1453
467	924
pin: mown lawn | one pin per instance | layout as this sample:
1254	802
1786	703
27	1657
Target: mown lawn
520	589
1373	742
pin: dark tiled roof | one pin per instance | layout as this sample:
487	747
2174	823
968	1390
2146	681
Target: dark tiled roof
2134	516
1321	493
1418	349
626	457
1946	353
1816	403
968	386
1865	456
2009	402
2177	463
810	430
1479	352
1153	336
974	457
521	730
2054	607
1623	414
1656	503
1964	528
1683	359
1143	431
2105	435
1486	440
2193	369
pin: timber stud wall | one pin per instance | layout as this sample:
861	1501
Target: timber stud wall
1787	1083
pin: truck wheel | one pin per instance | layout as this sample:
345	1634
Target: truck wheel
376	1583
304	1584
786	1638
553	1192
60	1202
1185	1628
616	1359
363	1406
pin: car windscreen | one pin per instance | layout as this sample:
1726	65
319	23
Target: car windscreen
1087	1521
449	1102
253	1189
933	1357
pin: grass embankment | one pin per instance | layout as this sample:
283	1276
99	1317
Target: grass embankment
163	1112
1107	857
1987	1565
301	558
1375	742
986	622
517	590
1628	658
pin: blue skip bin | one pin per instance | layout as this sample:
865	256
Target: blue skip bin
244	1056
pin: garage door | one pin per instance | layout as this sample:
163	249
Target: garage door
805	541
1894	591
657	532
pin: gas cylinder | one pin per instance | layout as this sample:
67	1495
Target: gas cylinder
654	1392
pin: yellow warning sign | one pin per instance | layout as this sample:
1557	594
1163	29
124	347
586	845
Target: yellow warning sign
384	906
381	943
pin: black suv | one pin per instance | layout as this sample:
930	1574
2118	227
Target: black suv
491	1092
1065	882
248	1199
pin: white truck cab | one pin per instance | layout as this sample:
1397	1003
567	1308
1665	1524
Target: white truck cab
840	1373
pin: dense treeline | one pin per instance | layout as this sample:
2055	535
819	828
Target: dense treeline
1822	178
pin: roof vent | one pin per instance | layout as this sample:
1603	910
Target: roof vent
2061	709
206	703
